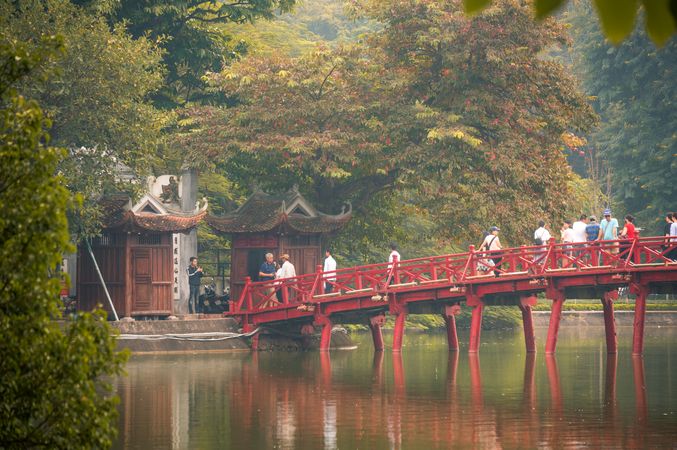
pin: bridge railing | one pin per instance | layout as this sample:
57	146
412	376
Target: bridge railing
457	269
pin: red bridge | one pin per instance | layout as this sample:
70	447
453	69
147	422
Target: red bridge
441	284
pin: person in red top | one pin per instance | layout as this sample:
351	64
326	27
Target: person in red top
628	232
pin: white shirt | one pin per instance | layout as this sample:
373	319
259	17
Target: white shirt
278	275
330	266
673	230
579	231
287	270
543	234
393	254
568	235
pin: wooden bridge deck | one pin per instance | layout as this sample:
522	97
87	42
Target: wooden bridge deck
443	284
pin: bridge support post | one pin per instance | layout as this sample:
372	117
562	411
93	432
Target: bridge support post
557	298
248	328
641	291
448	314
398	331
609	321
375	324
475	323
526	302
325	337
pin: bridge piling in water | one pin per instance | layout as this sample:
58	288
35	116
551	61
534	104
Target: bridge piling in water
325	338
609	321
398	330
448	314
475	323
526	302
641	291
557	298
375	325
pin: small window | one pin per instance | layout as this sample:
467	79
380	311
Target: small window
300	211
150	239
105	240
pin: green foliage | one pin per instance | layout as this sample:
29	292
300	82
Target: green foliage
53	389
466	123
494	110
97	94
617	17
633	89
192	38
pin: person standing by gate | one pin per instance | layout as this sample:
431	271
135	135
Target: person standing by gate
195	274
329	266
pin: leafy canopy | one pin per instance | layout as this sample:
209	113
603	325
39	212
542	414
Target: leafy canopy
468	114
54	388
617	17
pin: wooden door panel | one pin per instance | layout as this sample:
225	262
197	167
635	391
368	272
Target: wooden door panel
141	276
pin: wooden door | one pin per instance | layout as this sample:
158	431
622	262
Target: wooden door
142	281
305	259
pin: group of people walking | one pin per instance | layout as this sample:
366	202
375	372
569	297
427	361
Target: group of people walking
576	233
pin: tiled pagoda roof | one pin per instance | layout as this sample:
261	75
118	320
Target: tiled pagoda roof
265	212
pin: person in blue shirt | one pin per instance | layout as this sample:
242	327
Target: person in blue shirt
592	229
268	268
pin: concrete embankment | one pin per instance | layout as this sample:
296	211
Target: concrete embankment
596	318
223	334
211	335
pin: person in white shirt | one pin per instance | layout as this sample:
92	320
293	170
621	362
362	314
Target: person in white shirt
287	270
567	233
541	237
492	243
329	266
394	256
579	229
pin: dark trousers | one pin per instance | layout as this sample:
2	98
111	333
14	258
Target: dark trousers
193	299
328	288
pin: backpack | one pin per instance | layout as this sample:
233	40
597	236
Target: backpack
538	240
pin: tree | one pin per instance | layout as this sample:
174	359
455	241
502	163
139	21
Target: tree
54	389
98	93
617	17
193	42
468	115
634	91
489	78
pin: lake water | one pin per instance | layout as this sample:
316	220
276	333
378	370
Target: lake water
427	398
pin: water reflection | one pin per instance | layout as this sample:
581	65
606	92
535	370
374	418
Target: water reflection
427	399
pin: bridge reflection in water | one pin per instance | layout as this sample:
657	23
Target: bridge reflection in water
384	400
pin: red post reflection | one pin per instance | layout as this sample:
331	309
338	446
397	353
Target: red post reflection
529	388
610	403
555	388
325	368
641	404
